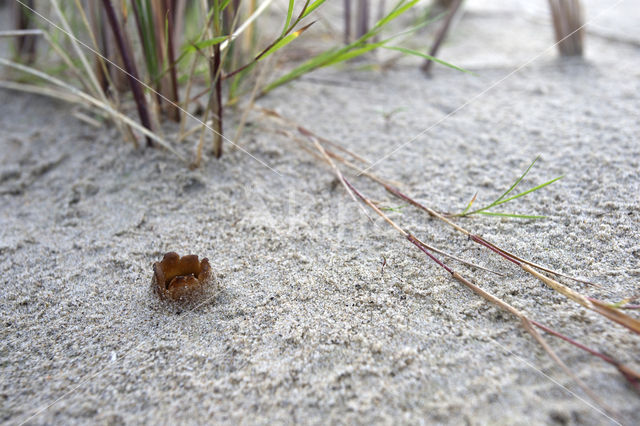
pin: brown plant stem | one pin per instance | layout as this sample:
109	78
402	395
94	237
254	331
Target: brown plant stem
593	304
130	67
632	376
442	34
362	18
526	322
174	111
567	19
25	44
216	100
333	155
347	21
589	303
392	189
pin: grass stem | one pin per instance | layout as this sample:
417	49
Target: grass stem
130	67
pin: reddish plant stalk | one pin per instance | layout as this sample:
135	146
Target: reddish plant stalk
130	67
216	100
174	112
589	303
595	305
442	34
347	21
362	19
26	44
629	374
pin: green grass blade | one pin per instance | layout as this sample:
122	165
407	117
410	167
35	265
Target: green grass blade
312	64
469	205
503	200
192	47
286	40
145	26
397	209
313	6
150	36
508	191
334	56
345	56
522	194
425	56
289	16
401	7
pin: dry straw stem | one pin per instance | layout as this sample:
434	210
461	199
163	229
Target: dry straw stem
347	21
187	97
95	88
215	57
589	303
172	85
129	65
25	47
252	98
44	91
632	376
108	108
58	94
102	72
185	106
392	189
567	18
602	308
247	25
65	58
362	18
93	101
343	181
595	305
442	34
215	76
304	145
526	322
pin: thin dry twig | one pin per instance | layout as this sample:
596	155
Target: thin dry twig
595	305
609	312
93	101
526	322
442	34
304	145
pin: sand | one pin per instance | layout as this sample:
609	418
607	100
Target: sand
307	326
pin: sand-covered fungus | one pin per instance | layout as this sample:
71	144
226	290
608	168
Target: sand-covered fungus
179	278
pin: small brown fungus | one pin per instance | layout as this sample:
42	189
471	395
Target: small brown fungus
179	278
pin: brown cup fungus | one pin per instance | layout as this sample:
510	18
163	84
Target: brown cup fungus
179	278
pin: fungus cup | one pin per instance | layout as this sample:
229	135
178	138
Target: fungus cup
180	278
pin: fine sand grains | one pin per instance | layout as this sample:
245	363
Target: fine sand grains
306	328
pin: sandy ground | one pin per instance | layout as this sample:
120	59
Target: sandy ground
307	326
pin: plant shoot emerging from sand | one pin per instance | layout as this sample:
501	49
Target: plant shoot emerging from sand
503	199
609	311
222	52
